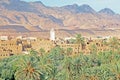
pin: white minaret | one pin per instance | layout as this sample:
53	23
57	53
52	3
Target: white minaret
52	34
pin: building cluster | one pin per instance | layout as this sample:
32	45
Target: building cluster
22	45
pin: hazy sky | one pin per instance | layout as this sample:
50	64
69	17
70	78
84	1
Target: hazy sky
95	4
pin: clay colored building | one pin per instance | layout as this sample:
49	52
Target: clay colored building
9	47
18	46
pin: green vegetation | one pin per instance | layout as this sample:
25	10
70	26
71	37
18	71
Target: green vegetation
80	41
58	65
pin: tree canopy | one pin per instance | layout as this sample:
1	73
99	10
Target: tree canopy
57	65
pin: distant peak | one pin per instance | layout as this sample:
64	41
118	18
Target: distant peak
37	2
85	5
79	9
75	5
107	11
86	9
71	6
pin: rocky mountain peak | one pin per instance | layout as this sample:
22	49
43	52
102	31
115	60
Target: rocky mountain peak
107	11
86	9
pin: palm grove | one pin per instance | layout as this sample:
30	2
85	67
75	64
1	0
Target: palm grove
59	64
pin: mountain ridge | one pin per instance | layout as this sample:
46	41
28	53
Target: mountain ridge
107	11
74	6
34	15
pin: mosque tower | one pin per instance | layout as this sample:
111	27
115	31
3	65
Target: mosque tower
52	34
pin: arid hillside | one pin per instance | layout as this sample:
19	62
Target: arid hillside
20	16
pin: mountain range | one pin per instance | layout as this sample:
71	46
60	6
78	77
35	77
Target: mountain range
21	16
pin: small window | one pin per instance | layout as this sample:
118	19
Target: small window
87	42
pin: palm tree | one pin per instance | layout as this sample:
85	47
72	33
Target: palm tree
116	69
33	52
80	41
67	69
72	41
7	73
42	51
55	59
93	49
28	70
69	51
7	68
114	43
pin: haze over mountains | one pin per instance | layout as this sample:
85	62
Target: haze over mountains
20	16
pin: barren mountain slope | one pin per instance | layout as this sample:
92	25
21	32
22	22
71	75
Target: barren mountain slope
23	16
